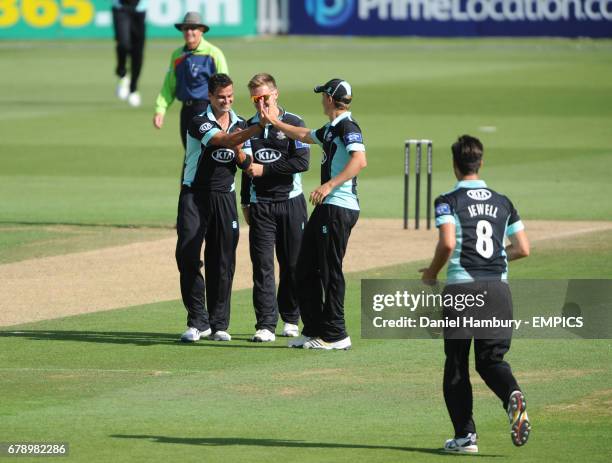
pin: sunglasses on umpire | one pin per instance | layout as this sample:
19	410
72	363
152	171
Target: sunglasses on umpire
258	98
189	28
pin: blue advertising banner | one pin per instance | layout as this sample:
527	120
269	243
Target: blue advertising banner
459	18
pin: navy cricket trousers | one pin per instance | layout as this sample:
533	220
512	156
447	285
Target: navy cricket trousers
210	217
321	281
276	225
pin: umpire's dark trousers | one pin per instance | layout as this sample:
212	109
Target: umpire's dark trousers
129	28
277	225
321	281
211	217
489	353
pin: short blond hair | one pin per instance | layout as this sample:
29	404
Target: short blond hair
261	79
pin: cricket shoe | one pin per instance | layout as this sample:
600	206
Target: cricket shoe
298	342
465	444
263	336
194	334
520	427
318	343
220	336
123	88
134	100
290	331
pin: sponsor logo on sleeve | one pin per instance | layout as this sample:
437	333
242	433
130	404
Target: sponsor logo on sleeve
267	155
443	209
479	195
329	136
353	137
206	127
299	145
223	155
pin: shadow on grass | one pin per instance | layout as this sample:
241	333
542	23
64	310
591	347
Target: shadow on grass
283	443
134	338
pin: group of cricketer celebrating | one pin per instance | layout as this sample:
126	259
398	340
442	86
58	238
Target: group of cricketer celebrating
272	149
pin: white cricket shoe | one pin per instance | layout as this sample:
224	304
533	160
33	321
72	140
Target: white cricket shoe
221	336
318	343
123	88
299	341
290	330
465	444
263	336
134	100
520	427
194	334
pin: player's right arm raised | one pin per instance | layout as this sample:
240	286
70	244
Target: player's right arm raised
270	116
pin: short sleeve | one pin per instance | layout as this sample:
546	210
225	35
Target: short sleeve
351	136
318	136
515	224
203	129
444	211
300	148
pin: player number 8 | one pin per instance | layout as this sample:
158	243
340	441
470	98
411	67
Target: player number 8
484	242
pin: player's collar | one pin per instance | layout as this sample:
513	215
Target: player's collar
211	115
342	116
471	184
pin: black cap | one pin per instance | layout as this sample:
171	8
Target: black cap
338	89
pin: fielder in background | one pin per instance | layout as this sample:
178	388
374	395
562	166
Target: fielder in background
275	209
473	221
129	26
187	78
207	212
319	271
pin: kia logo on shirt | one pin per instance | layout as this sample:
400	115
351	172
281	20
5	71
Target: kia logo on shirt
479	195
267	155
223	155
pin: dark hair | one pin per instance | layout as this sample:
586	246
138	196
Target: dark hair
467	154
218	81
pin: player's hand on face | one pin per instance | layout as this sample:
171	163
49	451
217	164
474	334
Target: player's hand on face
428	277
318	195
255	170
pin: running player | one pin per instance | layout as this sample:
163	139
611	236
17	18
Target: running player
473	221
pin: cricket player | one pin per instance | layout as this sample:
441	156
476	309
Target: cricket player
207	212
322	286
275	209
473	221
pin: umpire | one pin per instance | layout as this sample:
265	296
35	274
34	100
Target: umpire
275	209
207	212
473	221
187	78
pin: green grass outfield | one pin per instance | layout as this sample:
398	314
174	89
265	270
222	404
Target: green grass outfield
119	387
71	153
